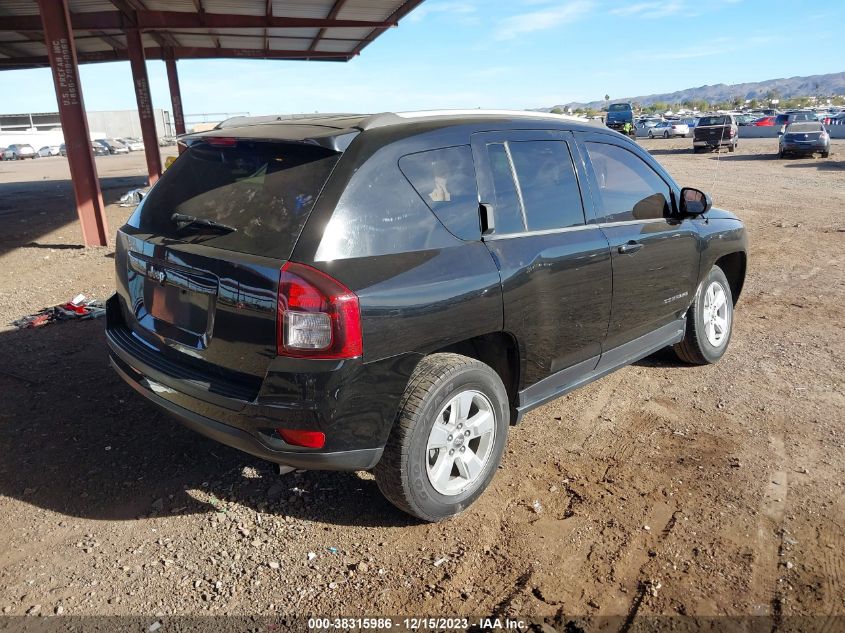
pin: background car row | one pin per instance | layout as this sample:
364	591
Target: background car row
100	147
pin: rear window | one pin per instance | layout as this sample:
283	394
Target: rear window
619	107
445	180
265	190
714	120
806	126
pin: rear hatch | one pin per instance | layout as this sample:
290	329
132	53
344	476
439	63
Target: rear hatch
803	133
199	297
713	128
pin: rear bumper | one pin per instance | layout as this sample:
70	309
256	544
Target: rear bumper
804	148
352	402
725	142
361	459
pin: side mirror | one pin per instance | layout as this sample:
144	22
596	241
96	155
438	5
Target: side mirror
694	202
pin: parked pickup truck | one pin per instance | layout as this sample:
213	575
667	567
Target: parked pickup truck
618	114
715	132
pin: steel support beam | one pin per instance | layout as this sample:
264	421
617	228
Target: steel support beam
179	52
175	97
138	63
58	36
158	20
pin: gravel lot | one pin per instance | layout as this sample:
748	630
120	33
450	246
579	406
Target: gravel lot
662	489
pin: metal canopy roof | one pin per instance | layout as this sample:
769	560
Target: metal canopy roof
334	30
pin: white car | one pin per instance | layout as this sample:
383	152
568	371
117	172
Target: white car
669	129
19	151
133	144
49	150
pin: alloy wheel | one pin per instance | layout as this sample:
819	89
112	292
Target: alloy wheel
717	316
460	442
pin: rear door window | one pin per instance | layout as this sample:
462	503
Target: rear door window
507	210
445	180
265	190
628	189
549	187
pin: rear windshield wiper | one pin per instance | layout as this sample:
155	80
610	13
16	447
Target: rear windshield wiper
185	220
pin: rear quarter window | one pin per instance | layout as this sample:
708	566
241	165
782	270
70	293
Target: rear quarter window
445	180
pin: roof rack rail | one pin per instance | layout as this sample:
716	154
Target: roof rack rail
393	118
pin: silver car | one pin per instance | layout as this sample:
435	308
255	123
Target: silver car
19	151
669	129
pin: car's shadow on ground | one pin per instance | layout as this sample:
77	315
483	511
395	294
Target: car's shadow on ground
821	165
665	357
742	157
670	152
77	441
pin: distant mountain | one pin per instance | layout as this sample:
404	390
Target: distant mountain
831	84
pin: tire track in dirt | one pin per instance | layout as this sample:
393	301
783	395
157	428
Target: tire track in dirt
767	546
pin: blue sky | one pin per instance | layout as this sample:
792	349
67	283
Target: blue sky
495	54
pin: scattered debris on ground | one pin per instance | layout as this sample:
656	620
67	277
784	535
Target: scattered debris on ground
77	309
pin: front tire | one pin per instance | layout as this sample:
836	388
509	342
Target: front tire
448	437
709	321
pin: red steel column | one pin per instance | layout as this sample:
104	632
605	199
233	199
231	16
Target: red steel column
145	103
175	97
61	50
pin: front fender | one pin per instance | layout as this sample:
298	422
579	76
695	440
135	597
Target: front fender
721	234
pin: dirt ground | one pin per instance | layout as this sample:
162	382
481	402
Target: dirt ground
663	489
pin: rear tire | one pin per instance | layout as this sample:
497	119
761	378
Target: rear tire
445	390
825	154
665	134
709	321
650	135
731	148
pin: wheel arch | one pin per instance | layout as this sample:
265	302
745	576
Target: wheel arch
734	265
500	351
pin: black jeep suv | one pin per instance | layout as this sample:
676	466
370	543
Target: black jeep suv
390	292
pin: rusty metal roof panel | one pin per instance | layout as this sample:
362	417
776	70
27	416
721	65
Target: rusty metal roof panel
310	27
370	10
346	33
311	33
185	6
95	44
89	6
336	46
198	39
291	44
303	8
238	7
19	7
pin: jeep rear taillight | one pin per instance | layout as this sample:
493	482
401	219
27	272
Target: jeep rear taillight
317	316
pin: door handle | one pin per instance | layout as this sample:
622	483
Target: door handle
630	247
488	222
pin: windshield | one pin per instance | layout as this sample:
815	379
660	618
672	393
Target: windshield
714	120
265	190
